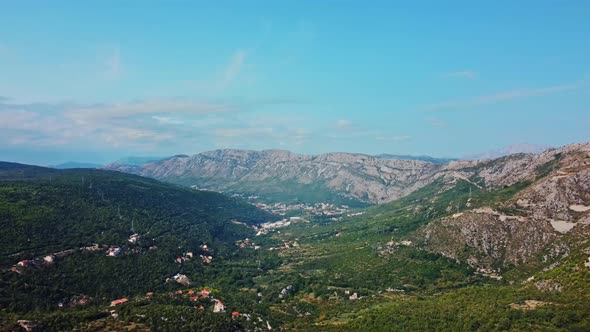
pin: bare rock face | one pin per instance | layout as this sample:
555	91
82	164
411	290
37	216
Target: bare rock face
362	177
488	239
556	203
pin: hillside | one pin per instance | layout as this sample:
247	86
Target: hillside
74	164
79	216
285	176
341	178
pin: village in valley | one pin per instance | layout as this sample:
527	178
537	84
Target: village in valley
265	236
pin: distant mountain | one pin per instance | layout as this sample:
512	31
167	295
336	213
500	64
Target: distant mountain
136	161
278	175
508	150
410	157
73	164
332	177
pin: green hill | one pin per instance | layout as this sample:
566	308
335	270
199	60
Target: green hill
61	212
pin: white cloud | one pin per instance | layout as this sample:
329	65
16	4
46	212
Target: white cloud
343	124
467	74
122	136
115	124
436	122
167	120
393	138
500	97
113	65
101	112
232	69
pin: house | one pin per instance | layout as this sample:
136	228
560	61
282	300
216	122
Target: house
24	262
149	294
134	238
218	307
194	298
204	293
206	259
191	292
201	308
27	325
354	296
49	259
182	279
189	254
114	252
235	314
119	302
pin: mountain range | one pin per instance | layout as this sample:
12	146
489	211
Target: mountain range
74	164
348	178
501	243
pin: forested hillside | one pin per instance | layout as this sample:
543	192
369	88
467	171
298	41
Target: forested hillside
78	217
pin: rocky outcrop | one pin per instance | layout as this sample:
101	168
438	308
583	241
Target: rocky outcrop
488	239
555	204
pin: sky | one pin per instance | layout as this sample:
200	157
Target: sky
94	81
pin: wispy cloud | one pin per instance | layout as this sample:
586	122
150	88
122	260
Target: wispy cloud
167	120
113	65
260	137
466	74
499	97
136	124
343	124
117	137
90	113
232	69
436	122
222	78
393	138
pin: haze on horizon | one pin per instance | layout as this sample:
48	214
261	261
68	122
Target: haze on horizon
97	80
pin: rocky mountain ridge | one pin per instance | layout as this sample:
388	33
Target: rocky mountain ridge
360	177
551	203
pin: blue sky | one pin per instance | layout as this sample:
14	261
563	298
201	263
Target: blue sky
97	80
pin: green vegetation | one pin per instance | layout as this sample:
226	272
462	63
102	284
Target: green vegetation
277	190
359	274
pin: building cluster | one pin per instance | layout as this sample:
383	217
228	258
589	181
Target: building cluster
391	246
286	245
271	226
187	256
318	209
247	243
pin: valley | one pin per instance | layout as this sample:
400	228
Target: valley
498	244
